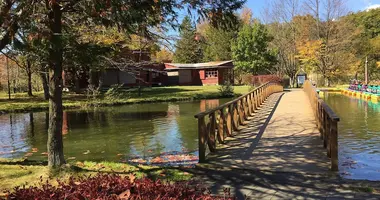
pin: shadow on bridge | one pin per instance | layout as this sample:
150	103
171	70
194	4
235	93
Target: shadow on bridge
277	154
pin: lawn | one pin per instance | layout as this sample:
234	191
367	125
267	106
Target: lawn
22	172
20	102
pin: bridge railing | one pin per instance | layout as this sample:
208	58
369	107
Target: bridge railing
327	122
216	124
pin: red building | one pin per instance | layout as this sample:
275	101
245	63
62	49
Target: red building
142	73
210	73
146	75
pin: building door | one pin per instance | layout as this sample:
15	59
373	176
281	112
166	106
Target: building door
185	77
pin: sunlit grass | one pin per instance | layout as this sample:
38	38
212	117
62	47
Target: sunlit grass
18	172
21	102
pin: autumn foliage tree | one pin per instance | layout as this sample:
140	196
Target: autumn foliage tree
52	19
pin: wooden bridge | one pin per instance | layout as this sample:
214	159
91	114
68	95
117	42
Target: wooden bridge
273	144
230	134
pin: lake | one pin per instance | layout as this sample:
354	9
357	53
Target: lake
359	136
140	133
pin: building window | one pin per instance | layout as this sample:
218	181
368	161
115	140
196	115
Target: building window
211	73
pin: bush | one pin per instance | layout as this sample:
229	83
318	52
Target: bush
226	90
106	186
261	79
115	92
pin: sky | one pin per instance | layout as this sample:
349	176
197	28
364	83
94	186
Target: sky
258	6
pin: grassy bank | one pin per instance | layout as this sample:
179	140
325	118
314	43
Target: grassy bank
20	102
21	172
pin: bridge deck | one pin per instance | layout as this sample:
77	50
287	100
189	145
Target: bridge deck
286	140
277	155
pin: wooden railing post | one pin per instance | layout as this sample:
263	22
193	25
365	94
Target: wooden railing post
221	126
202	139
328	136
334	146
327	123
226	118
235	117
241	112
211	129
325	128
229	120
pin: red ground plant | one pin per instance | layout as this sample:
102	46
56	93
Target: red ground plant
112	186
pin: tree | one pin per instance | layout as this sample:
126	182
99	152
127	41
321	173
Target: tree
50	19
217	44
164	55
334	34
366	41
250	50
280	17
188	48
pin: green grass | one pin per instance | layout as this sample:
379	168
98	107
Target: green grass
20	102
22	172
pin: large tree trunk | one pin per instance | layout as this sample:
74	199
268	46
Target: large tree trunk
29	72
55	143
45	84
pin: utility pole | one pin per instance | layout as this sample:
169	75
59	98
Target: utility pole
9	83
366	70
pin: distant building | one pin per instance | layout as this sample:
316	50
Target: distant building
149	74
210	73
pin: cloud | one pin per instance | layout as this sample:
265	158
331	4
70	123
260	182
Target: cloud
374	6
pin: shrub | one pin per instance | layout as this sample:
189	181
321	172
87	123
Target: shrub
112	186
226	90
115	92
261	79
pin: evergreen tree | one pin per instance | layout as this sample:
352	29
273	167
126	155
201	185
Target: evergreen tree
250	50
217	46
188	48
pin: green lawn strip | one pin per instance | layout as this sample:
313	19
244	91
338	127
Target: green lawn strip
29	173
22	103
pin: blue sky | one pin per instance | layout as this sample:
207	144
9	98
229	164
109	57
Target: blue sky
258	6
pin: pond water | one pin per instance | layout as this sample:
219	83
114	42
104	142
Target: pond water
158	132
359	136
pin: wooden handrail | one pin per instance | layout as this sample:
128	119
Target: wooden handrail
327	123
216	124
228	103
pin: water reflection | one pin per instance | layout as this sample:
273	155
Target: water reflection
112	134
359	136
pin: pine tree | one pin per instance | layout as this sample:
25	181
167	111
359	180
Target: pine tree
250	50
188	48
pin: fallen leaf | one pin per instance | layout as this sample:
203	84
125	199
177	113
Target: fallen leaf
86	152
132	178
44	153
28	154
71	158
80	164
34	150
125	195
119	154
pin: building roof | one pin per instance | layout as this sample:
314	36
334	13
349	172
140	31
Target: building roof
202	65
